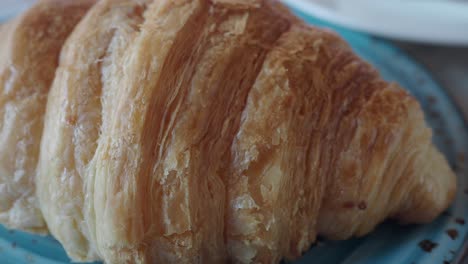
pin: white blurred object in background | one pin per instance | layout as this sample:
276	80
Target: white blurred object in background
430	21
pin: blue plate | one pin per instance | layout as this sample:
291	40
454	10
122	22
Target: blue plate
390	243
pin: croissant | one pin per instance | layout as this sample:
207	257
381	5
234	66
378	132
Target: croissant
212	131
29	49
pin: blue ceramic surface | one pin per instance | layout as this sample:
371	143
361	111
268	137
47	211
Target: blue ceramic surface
390	243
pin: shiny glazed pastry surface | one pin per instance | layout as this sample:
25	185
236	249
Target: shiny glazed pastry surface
196	131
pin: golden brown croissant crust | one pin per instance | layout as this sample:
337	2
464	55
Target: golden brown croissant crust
211	131
29	49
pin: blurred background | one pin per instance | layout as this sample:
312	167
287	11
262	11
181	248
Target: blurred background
448	66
